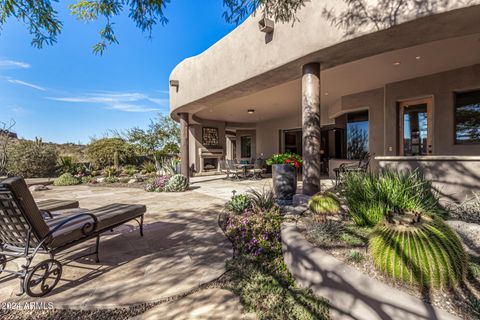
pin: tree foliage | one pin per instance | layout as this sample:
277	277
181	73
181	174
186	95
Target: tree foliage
32	159
41	19
102	152
161	136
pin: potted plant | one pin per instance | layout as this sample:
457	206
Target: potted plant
284	175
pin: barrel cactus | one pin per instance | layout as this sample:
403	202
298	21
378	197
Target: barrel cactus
418	249
324	204
177	183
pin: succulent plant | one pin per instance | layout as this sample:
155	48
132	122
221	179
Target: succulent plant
239	203
177	183
66	179
110	172
111	179
418	249
149	187
324	204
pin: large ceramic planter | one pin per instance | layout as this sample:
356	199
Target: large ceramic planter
284	182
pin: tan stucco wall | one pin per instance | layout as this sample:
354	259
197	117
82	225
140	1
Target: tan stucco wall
246	60
454	178
442	87
268	133
196	140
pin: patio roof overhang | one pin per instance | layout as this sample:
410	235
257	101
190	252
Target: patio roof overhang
267	78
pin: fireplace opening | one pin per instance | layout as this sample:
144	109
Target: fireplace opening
210	164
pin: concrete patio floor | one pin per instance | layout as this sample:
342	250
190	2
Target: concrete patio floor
183	246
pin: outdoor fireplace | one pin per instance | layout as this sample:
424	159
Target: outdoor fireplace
210	164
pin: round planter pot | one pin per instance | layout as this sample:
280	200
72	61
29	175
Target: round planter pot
284	182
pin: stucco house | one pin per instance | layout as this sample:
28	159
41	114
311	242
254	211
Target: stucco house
408	94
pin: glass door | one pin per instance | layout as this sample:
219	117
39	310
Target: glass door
416	128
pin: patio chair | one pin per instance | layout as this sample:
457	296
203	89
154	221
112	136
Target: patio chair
47	206
234	170
361	166
224	168
258	169
24	234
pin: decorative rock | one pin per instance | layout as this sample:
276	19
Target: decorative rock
470	234
132	181
100	180
39	187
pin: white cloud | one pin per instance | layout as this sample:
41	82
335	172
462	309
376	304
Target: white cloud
14	64
24	83
127	102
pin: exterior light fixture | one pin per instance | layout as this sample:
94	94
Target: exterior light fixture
326	93
397	63
266	25
174	83
418	57
251	111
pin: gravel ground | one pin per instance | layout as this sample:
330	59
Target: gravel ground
470	234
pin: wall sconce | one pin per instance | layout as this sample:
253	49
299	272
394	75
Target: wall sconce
266	25
251	111
174	83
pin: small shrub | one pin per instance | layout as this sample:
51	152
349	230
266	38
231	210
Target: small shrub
355	256
66	179
324	233
255	234
32	159
68	165
262	200
111	179
158	184
149	187
130	170
418	249
87	179
239	204
177	183
110	172
149	167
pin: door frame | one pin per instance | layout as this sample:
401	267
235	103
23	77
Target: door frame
401	109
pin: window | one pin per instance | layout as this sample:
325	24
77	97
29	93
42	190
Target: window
357	135
246	146
467	117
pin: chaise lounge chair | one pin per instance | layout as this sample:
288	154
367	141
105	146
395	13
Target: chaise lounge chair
46	207
24	233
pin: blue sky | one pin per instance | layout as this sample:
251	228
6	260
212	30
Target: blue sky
64	93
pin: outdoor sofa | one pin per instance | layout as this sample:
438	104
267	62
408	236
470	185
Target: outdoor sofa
24	233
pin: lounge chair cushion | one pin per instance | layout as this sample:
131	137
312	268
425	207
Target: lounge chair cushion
28	205
55	205
108	217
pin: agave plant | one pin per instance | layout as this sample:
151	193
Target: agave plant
418	249
263	200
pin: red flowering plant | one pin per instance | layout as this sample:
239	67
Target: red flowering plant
292	159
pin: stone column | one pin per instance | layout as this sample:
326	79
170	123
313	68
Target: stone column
184	147
311	128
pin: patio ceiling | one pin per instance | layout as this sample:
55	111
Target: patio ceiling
362	75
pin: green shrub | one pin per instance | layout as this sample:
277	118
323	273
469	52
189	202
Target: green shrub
355	256
66	179
149	167
111	172
370	197
87	179
177	183
418	249
239	204
68	164
262	200
32	159
324	204
130	170
111	179
104	152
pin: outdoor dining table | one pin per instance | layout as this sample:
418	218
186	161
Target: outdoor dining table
245	167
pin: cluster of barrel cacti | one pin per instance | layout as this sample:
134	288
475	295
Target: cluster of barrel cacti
177	183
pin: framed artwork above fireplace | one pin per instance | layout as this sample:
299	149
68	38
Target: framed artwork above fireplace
210	137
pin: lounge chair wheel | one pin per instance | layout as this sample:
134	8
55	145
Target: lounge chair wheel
43	278
3	262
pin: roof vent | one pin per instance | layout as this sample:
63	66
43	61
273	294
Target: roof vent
266	25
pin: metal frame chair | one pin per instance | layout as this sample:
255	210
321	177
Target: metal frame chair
24	234
361	166
234	170
258	169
